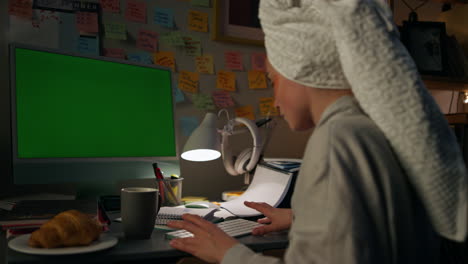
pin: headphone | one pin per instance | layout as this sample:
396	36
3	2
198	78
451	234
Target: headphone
248	158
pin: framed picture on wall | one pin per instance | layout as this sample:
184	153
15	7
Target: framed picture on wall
426	42
237	21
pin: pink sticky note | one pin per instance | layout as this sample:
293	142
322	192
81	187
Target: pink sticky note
259	62
233	60
114	53
147	40
20	8
112	6
136	11
87	22
222	99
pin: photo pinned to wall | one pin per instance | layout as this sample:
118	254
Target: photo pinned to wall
237	21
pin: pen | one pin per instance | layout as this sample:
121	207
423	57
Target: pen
160	180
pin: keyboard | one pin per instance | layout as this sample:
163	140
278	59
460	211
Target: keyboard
234	228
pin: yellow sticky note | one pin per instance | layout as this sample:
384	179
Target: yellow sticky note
226	80
188	81
245	111
204	64
165	58
198	21
267	106
257	80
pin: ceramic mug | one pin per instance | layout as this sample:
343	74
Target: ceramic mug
139	207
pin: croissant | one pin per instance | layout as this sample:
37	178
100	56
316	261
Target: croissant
66	229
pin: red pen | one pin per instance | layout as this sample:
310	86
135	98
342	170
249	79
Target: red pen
160	180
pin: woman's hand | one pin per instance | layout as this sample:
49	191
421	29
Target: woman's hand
278	219
209	242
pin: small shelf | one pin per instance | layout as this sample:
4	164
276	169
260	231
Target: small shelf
445	83
459	118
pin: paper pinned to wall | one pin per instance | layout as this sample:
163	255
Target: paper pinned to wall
20	8
222	99
165	59
188	124
88	46
147	40
204	64
112	6
267	106
140	57
188	81
198	21
257	80
178	95
164	17
192	46
233	60
44	33
173	38
202	3
87	22
246	111
136	11
203	102
115	31
258	61
226	80
116	53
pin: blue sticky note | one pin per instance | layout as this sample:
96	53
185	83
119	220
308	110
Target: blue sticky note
188	124
87	46
140	57
178	95
164	17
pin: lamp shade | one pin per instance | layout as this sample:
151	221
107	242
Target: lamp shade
203	144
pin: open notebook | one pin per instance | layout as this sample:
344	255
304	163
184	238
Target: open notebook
167	214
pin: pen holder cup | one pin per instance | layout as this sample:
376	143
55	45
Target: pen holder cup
170	191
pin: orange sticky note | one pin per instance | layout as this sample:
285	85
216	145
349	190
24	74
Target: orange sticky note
147	40
20	8
114	53
198	21
136	11
267	106
112	6
245	111
188	81
204	64
259	62
87	22
226	81
257	80
233	60
165	58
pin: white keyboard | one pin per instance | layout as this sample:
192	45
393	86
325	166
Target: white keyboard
235	228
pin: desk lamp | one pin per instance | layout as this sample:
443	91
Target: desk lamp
204	144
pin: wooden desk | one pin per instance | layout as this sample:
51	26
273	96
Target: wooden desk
154	250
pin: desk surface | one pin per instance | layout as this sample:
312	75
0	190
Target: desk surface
138	251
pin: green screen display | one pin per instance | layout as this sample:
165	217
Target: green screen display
74	107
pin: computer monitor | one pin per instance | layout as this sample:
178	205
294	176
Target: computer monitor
88	119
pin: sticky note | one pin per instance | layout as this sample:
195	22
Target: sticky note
188	81
188	124
178	95
115	31
114	53
87	22
222	99
173	38
164	17
202	3
203	102
192	46
147	40
140	57
257	80
87	46
226	81
20	8
165	58
198	21
245	111
136	11
233	60
112	6
204	64
267	106
258	62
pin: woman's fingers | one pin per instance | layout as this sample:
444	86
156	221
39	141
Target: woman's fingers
188	245
264	220
263	208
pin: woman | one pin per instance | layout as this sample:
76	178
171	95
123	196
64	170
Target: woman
382	179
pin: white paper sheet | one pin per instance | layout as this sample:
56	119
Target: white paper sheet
268	186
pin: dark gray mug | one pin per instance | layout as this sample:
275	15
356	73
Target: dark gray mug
139	207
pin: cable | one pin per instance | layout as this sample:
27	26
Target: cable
451	101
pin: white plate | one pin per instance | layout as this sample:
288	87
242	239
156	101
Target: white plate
20	244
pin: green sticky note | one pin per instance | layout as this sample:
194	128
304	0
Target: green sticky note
203	102
203	3
115	31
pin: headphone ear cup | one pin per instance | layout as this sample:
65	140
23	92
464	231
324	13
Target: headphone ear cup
242	160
